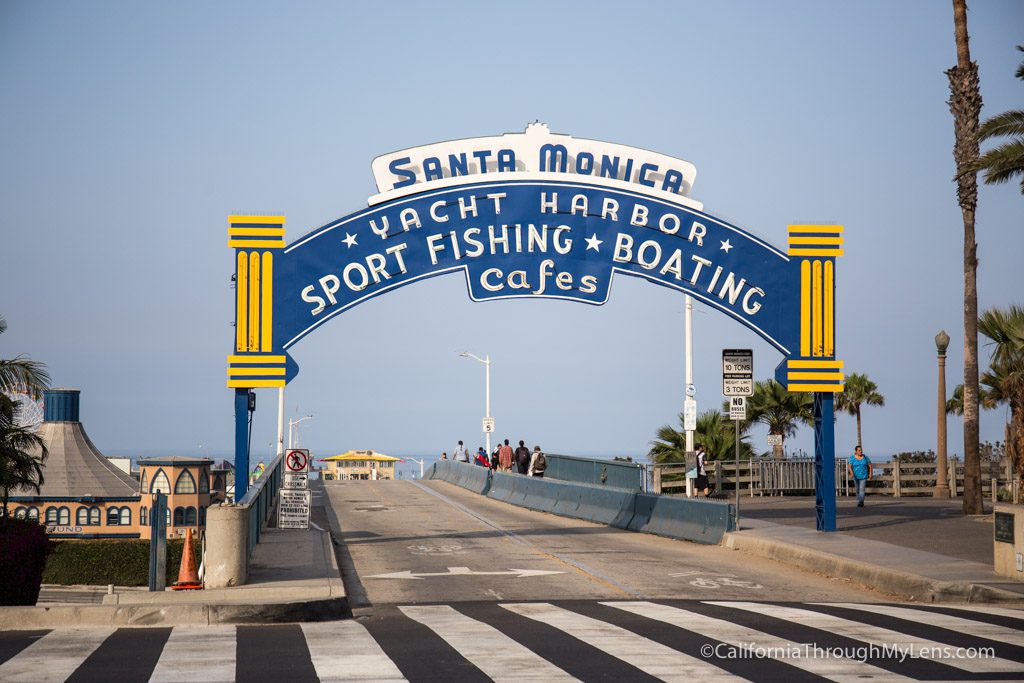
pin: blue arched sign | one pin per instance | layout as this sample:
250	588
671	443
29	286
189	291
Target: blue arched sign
534	215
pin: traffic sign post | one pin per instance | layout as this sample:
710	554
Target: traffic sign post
737	384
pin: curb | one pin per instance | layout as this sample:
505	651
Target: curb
899	583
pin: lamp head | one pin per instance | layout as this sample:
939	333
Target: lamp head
942	342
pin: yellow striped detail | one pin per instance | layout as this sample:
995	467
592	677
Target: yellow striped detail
829	312
267	332
255	383
827	229
241	292
277	372
805	308
257	232
254	301
798	239
815	375
263	220
261	359
815	252
808	364
258	244
816	309
823	388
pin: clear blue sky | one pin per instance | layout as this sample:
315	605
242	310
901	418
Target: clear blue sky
130	131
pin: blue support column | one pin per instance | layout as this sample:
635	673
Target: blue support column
824	461
241	443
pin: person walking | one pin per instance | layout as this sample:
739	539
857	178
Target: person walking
460	453
702	484
858	466
505	457
481	458
538	463
522	458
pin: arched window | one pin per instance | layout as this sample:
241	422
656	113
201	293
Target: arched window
179	516
204	482
186	483
82	516
20	512
218	483
190	516
113	516
51	515
94	516
126	516
143	482
160	483
64	516
202	515
144	516
33	513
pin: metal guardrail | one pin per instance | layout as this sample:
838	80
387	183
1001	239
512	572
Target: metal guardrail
260	499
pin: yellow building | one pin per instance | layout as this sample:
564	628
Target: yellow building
366	465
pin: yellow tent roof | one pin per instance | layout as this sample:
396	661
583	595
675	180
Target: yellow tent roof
361	455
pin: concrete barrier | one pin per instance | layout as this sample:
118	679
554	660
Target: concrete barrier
471	477
704	521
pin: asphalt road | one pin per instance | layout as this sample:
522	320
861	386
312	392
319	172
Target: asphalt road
405	542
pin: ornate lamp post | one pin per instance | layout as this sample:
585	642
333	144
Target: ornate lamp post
941	475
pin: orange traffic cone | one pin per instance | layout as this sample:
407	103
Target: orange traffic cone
188	577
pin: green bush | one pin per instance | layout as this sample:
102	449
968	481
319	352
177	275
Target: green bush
100	562
23	548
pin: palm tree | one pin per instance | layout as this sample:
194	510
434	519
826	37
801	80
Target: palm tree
22	374
1004	379
713	430
965	105
955	403
19	467
1002	163
859	390
781	410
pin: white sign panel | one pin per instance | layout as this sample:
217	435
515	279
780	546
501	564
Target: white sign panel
775	439
296	480
737	408
296	460
488	425
737	372
690	414
293	509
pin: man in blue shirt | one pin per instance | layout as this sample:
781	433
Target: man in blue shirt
858	466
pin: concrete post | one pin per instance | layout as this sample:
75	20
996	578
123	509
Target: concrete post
227	541
941	486
896	488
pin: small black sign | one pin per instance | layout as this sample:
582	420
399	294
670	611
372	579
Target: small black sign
1004	527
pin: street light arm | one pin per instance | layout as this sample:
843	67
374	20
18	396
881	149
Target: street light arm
467	354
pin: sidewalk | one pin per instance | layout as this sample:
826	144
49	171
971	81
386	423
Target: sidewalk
293	576
913	548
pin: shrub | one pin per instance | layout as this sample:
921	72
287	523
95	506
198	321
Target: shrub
100	562
24	547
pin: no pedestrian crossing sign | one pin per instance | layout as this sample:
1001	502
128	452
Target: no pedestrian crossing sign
296	460
737	372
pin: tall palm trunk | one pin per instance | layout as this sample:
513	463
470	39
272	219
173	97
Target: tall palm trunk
965	105
860	442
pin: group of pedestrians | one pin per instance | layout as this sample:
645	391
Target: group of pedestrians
505	459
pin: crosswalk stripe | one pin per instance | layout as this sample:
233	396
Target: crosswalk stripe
984	609
345	651
650	657
739	636
487	648
54	657
874	635
975	628
204	654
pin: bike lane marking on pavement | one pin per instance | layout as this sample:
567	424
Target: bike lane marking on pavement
874	635
54	657
579	567
201	654
742	637
643	653
345	650
487	648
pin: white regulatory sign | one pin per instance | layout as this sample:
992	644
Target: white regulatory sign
737	408
775	439
690	414
737	372
297	460
296	480
293	509
488	425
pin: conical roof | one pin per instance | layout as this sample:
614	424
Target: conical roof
75	467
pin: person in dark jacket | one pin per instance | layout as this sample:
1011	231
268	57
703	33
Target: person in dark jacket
522	458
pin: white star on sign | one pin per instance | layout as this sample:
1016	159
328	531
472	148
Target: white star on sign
594	243
350	240
725	246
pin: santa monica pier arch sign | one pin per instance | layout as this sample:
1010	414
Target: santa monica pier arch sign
537	215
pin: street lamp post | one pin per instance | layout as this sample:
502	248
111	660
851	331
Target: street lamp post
292	423
941	475
487	390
